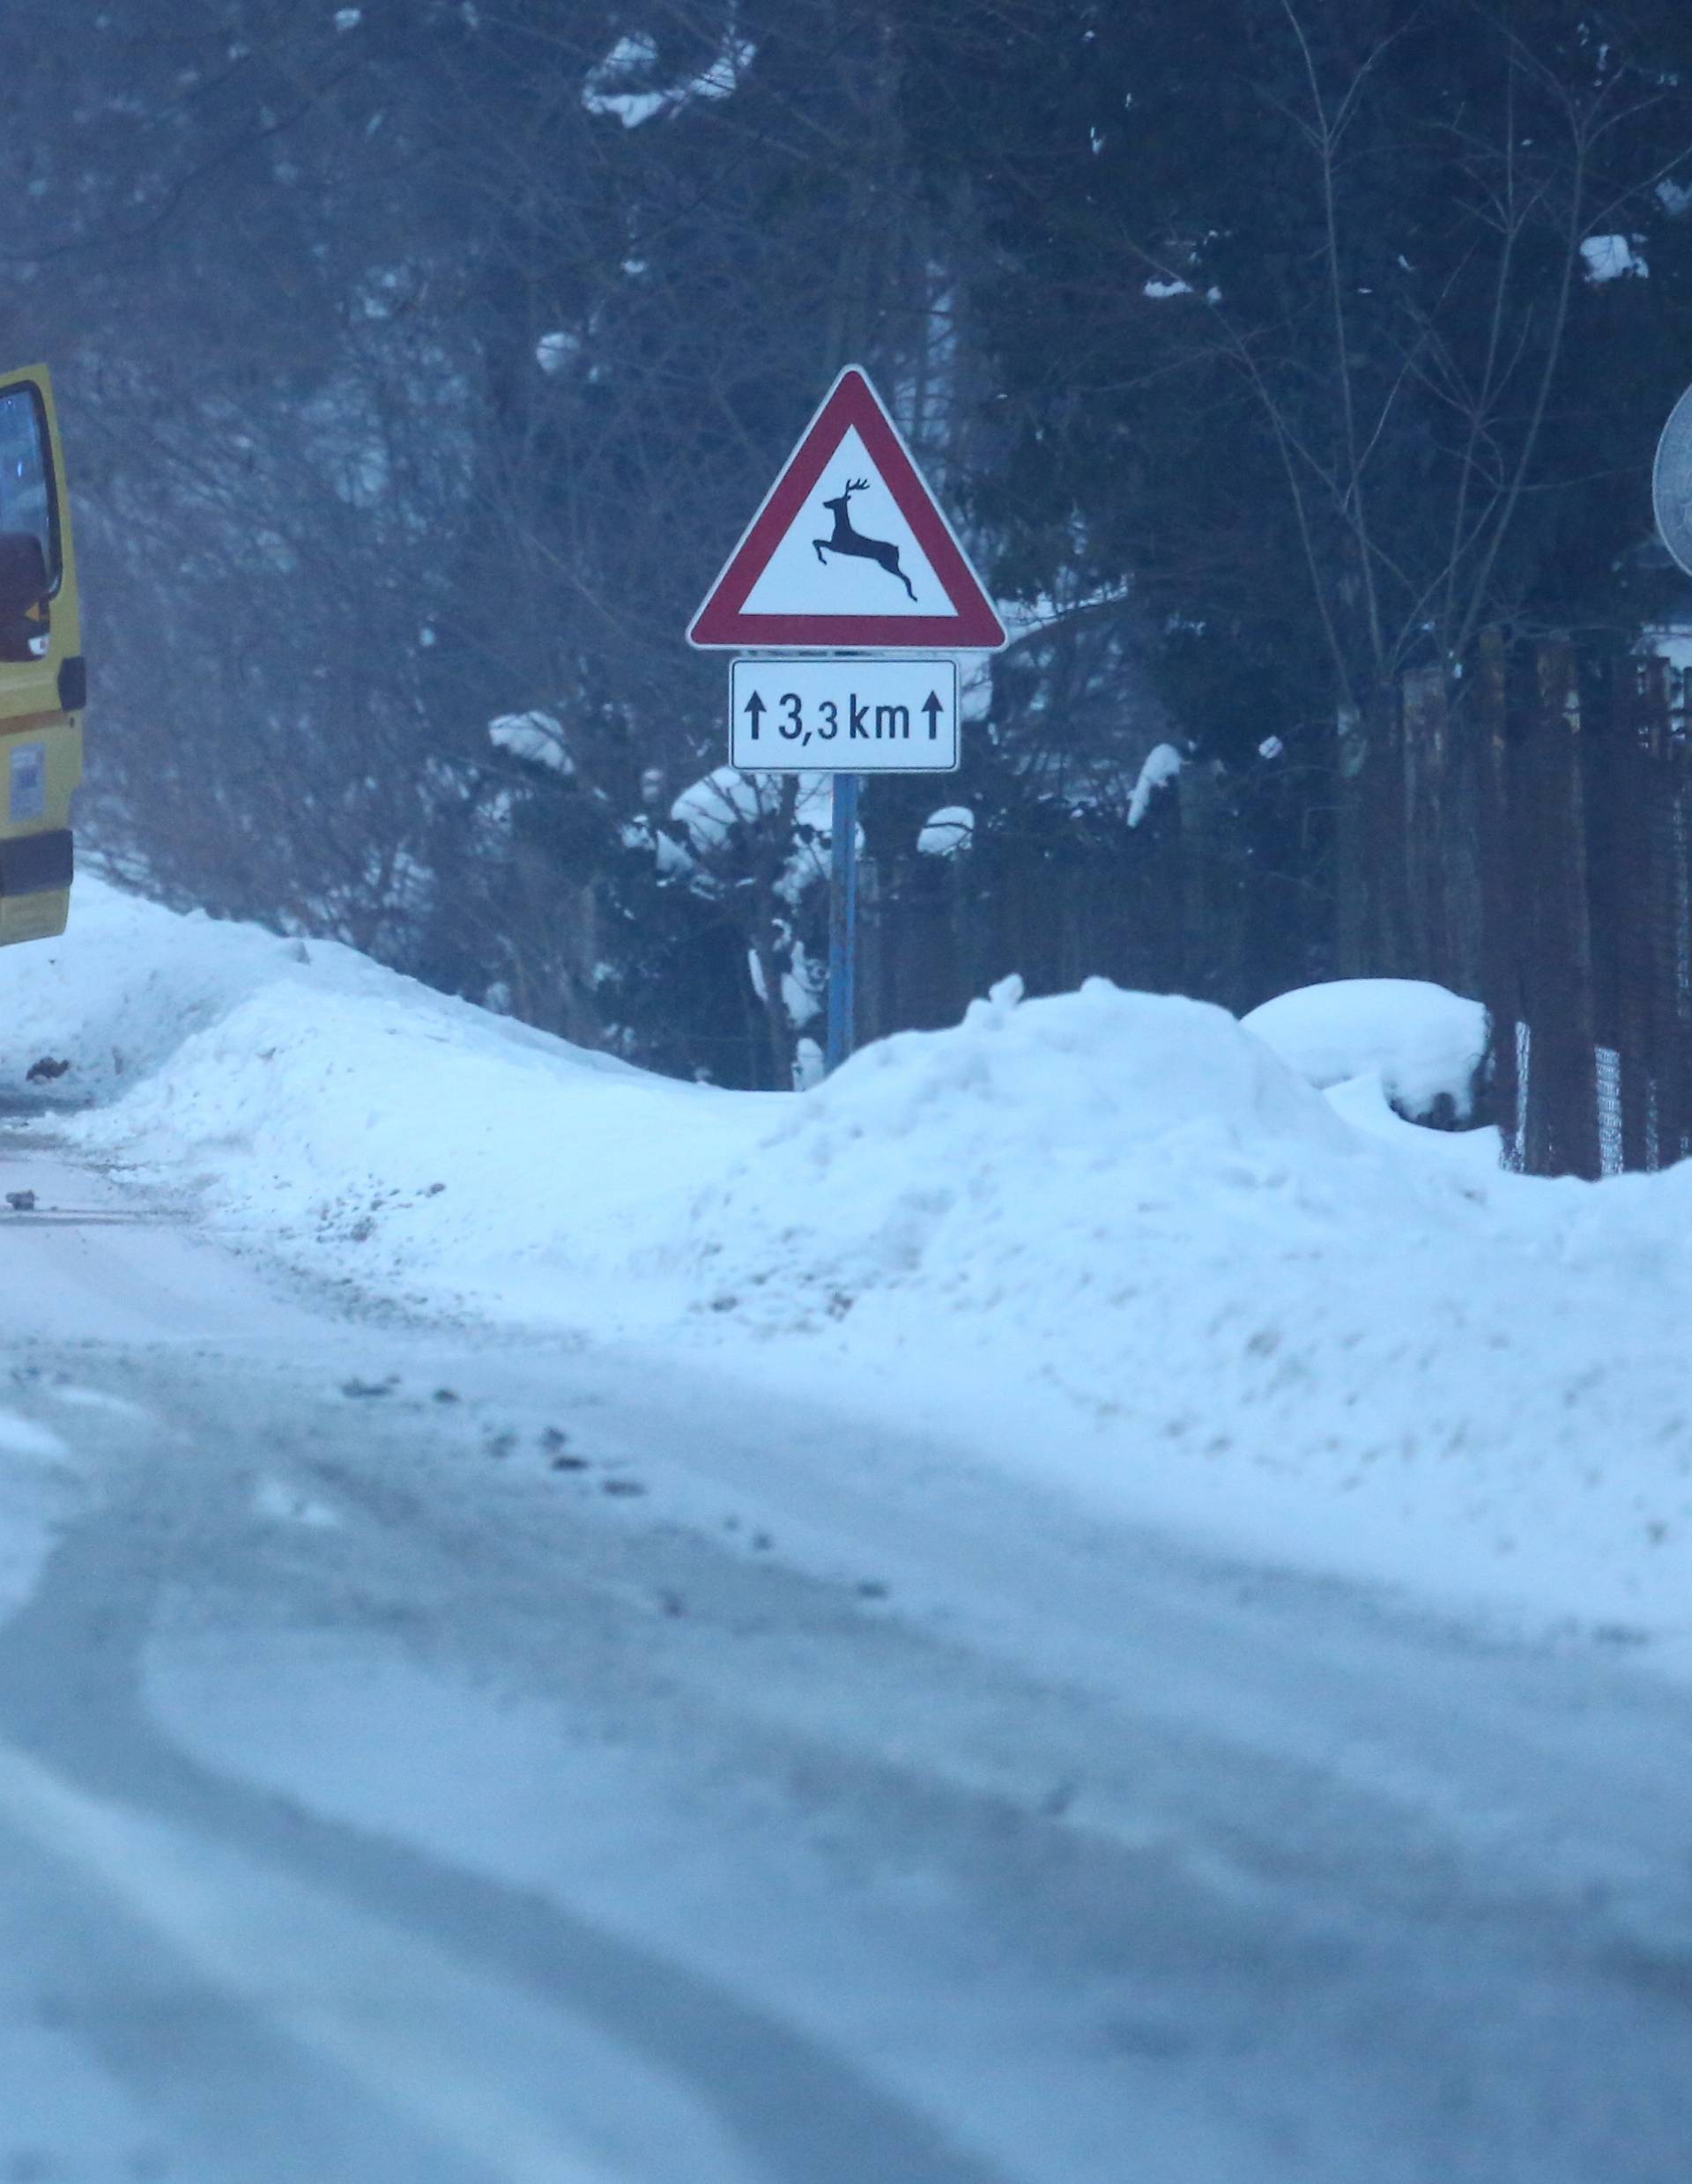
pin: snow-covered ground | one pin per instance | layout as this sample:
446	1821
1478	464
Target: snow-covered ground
1111	1240
35	1492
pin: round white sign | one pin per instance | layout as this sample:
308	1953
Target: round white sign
1671	482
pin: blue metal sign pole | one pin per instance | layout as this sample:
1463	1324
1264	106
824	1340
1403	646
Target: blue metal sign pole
842	921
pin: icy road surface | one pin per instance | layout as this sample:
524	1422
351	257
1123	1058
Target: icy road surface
433	1759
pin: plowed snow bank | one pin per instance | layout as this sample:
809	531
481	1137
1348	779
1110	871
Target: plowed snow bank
1109	1237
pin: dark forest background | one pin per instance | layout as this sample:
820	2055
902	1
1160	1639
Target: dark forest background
420	361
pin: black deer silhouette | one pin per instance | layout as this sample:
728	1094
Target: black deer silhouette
846	540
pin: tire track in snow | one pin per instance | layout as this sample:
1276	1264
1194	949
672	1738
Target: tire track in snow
438	2044
515	2010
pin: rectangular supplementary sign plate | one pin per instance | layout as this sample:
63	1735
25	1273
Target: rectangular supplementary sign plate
844	716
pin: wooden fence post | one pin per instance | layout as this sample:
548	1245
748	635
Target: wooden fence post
1562	1136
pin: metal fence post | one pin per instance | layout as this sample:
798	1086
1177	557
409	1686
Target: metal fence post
842	921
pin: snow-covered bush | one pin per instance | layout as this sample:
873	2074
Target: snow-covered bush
1425	1042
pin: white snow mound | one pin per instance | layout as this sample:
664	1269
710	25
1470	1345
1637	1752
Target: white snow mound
361	1125
131	982
1109	1238
1022	1144
1422	1040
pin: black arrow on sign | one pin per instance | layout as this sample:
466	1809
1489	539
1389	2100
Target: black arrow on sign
932	706
756	706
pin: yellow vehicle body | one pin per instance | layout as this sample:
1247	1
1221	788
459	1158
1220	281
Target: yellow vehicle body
43	679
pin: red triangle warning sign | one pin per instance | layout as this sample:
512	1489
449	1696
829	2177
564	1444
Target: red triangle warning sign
849	548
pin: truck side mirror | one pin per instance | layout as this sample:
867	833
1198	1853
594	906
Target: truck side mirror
24	587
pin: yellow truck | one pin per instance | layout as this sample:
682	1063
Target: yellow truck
43	677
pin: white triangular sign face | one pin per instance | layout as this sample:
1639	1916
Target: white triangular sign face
849	550
800	579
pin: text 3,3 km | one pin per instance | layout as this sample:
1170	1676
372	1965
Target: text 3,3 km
845	715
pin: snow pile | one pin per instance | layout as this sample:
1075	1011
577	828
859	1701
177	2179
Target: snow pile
371	1140
1111	1237
363	1126
1423	1042
1238	1310
978	1165
131	984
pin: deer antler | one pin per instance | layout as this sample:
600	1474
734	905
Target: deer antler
857	485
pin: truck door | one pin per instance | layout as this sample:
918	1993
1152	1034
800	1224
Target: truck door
43	679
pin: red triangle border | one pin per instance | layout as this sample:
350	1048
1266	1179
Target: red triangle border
973	626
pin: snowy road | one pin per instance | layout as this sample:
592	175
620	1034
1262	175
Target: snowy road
429	1757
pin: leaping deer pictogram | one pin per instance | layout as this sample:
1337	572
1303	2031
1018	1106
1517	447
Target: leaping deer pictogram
846	540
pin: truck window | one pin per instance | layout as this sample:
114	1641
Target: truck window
28	501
